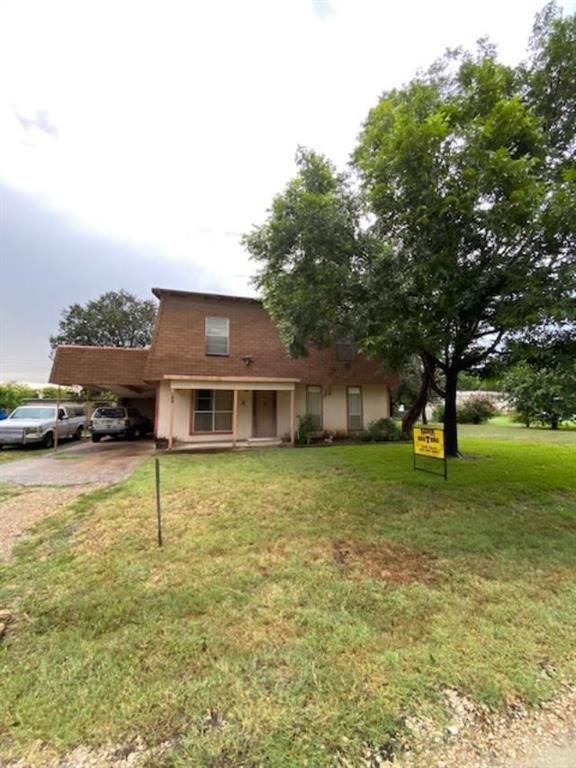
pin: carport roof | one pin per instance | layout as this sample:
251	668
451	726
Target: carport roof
99	366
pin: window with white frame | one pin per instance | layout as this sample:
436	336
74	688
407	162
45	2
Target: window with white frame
213	410
217	336
354	405
314	405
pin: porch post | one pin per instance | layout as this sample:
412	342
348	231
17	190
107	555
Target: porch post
57	423
235	418
171	420
292	417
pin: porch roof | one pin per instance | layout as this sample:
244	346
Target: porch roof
231	382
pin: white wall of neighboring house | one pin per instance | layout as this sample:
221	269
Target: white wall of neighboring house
498	398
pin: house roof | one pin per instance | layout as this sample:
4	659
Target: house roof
164	292
177	350
256	350
99	366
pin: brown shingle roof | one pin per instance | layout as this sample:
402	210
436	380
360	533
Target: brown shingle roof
99	366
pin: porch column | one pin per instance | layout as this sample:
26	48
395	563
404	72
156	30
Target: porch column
171	421
235	418
57	423
292	417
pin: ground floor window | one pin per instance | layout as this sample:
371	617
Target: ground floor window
354	401
314	406
213	410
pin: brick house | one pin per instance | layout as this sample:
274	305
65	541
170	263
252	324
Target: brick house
216	372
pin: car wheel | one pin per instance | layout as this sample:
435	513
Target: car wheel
48	441
96	438
78	434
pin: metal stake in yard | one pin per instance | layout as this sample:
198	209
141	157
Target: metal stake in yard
158	507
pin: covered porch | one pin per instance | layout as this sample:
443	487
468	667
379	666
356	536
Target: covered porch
226	411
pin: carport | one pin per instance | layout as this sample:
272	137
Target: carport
107	369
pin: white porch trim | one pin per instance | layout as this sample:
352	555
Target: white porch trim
233	383
236	384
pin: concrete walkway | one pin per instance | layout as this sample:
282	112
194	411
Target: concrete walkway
79	464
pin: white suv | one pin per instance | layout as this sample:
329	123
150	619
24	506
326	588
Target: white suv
118	421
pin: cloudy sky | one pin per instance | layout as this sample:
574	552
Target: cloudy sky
140	138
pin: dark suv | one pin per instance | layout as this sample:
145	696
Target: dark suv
118	421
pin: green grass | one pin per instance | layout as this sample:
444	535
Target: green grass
6	491
28	452
503	428
304	602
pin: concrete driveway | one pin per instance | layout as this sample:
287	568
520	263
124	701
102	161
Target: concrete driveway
79	464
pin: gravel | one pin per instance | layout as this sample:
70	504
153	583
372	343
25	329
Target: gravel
20	512
544	737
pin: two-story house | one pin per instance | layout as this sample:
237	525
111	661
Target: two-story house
217	372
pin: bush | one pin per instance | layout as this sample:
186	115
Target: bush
382	431
306	430
476	410
335	436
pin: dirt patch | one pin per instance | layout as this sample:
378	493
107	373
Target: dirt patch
385	560
20	512
132	755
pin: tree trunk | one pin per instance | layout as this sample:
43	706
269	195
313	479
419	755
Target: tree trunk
416	409
555	422
450	424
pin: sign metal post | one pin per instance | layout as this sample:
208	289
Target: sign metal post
428	442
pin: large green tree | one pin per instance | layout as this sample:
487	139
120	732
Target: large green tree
115	319
462	233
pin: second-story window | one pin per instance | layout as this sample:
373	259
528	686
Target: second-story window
217	336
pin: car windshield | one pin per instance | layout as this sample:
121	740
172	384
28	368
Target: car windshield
109	413
33	413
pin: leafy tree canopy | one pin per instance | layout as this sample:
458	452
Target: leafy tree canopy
458	229
547	395
115	319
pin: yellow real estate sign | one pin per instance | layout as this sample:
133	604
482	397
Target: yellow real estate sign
429	441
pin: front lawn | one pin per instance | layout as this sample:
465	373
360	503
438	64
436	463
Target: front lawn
24	452
305	602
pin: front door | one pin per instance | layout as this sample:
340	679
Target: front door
264	414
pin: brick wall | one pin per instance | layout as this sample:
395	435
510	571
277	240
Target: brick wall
179	342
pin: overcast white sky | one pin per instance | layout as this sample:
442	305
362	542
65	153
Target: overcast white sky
140	138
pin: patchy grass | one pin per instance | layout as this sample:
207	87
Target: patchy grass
24	452
31	451
304	602
7	491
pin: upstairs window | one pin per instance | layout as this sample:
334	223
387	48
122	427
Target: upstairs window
346	351
314	406
217	336
354	397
